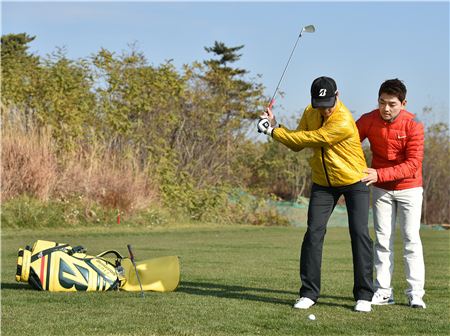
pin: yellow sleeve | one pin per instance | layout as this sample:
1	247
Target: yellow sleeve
302	126
332	132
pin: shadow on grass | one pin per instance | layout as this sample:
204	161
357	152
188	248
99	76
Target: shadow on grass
12	285
249	293
229	292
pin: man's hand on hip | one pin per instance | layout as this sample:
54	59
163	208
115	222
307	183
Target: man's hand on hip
372	176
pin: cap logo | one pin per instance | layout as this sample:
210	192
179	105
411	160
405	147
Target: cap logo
323	92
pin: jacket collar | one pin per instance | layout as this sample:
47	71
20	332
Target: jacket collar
398	117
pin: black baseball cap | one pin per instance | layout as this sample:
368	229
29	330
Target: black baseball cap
323	92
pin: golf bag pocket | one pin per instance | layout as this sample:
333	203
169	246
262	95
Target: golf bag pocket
61	268
158	274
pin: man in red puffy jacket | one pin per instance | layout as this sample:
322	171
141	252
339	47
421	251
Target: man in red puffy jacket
396	141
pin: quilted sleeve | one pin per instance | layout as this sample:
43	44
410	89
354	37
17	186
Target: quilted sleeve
362	124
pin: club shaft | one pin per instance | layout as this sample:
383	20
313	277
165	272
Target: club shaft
135	268
285	68
307	29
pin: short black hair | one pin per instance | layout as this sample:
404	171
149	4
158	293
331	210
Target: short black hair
394	87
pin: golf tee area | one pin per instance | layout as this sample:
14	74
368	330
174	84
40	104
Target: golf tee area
235	280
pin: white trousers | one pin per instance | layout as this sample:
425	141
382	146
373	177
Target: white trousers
406	207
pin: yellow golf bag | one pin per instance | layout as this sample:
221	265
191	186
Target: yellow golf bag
59	267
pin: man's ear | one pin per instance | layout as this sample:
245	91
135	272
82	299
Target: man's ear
404	103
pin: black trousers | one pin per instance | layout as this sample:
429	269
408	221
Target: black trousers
321	205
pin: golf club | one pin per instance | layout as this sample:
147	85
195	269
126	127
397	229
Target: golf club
135	268
306	29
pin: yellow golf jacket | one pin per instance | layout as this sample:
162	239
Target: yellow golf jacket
338	158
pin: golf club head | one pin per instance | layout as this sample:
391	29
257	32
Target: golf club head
308	29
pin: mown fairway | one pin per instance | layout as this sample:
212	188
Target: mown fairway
235	281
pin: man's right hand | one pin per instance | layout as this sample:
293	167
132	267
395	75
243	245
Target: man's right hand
269	115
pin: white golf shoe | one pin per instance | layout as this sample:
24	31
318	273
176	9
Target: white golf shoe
304	303
380	298
416	302
363	306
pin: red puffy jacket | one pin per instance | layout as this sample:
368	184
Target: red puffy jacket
397	149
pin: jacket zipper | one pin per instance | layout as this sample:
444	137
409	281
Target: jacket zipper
325	167
323	160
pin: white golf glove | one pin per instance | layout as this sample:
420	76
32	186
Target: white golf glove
264	126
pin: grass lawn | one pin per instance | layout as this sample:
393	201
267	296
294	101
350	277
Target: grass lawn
236	280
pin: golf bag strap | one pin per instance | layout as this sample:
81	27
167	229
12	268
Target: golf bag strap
48	251
117	254
77	249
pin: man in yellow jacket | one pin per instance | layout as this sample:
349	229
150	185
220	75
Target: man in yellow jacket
338	166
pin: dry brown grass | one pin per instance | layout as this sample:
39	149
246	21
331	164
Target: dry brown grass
30	165
105	179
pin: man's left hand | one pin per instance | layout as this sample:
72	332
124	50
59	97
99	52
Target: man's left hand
264	126
372	176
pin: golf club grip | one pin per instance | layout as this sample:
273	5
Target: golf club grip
130	252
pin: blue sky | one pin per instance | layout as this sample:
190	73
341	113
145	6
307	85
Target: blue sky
360	44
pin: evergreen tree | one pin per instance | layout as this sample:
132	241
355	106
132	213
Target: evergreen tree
227	54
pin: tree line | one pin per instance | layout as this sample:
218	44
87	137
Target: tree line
185	130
